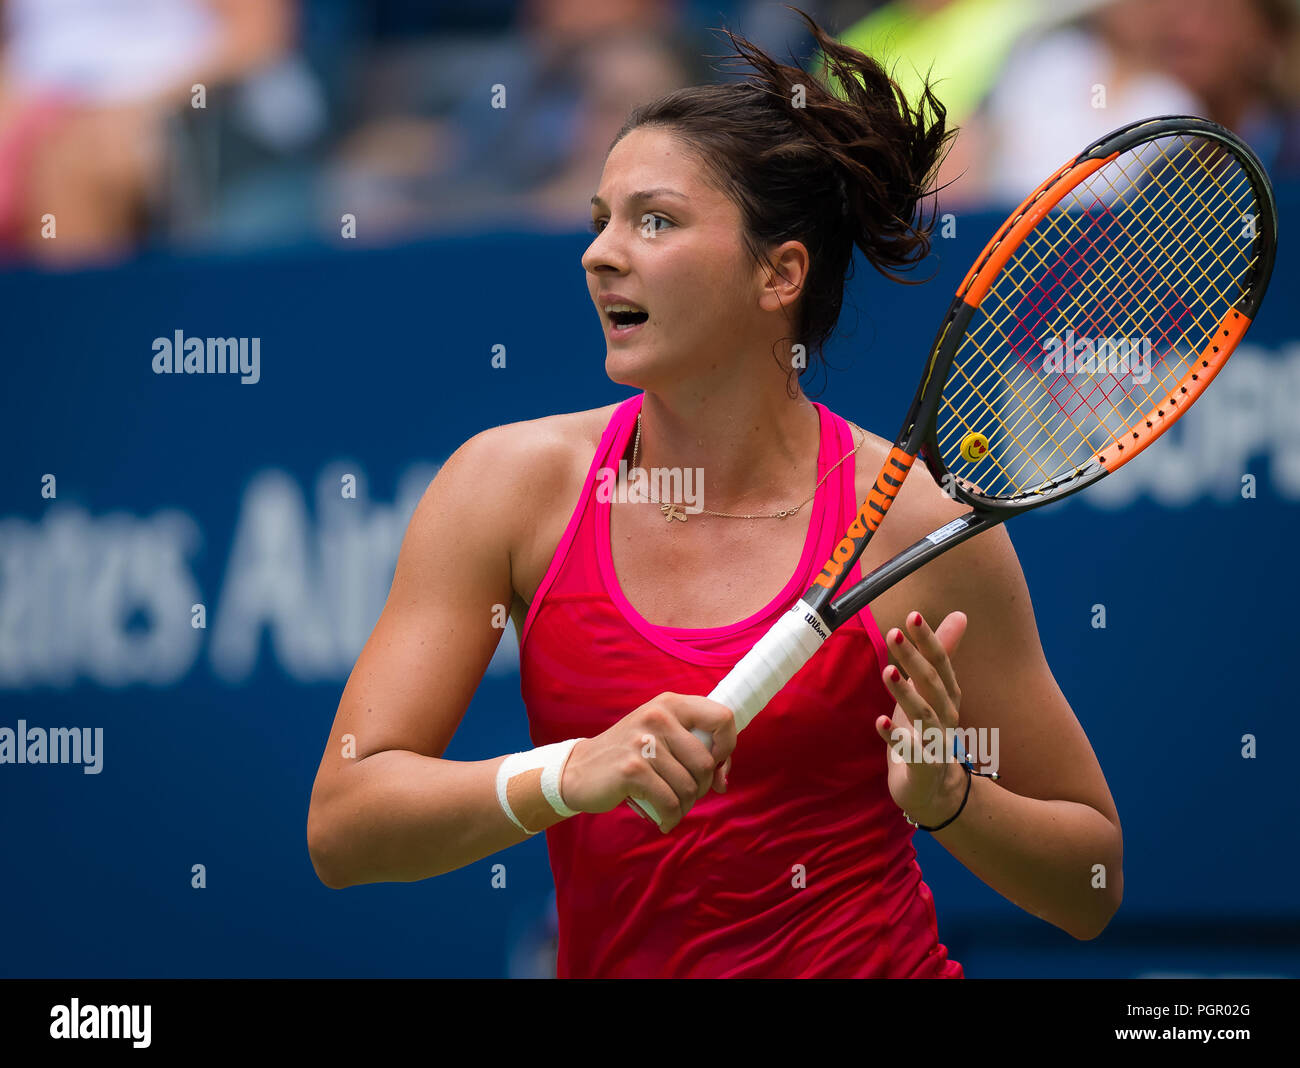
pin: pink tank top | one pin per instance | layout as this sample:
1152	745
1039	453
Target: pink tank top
805	866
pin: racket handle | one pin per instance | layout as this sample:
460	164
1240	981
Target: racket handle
762	672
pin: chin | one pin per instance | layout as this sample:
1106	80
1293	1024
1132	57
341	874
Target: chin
625	369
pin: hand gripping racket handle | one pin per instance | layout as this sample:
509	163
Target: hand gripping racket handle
764	670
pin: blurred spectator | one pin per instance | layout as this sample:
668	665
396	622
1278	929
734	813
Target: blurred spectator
960	45
1129	60
961	48
1062	91
383	109
1239	59
624	71
570	72
86	87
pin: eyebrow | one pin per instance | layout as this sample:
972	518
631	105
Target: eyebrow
645	194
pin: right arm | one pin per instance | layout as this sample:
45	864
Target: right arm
385	806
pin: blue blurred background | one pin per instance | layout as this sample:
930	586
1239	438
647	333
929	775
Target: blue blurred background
127	213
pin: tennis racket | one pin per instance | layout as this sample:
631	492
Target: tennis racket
1090	323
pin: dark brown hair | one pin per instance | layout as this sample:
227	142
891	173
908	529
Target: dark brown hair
837	172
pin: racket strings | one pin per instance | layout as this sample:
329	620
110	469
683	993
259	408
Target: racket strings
1165	309
1081	288
1176	329
1078	291
1141	261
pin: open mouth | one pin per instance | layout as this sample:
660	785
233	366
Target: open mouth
624	320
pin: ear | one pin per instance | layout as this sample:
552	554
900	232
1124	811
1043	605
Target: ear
783	276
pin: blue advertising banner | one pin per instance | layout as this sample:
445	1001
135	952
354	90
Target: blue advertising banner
186	581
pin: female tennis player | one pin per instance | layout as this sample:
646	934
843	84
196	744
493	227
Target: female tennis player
725	222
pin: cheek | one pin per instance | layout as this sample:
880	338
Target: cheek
702	289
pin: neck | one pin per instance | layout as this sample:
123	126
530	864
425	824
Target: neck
758	451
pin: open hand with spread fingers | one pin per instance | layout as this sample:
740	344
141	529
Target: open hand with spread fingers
924	778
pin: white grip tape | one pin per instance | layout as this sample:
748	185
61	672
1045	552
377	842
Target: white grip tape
763	671
779	654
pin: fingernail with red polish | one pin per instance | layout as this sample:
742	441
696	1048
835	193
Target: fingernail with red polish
898	637
895	674
916	619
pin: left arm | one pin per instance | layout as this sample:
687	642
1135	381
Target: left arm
1046	836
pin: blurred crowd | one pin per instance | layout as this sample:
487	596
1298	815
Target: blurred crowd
220	124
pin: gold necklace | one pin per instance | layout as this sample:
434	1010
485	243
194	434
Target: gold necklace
672	512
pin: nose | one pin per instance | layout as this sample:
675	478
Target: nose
603	254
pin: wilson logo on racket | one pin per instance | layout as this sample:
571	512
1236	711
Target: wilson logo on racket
888	483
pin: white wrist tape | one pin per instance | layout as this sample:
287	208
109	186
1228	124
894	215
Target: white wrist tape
522	775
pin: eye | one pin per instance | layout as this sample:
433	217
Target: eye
597	225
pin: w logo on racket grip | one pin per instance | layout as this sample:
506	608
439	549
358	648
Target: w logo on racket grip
888	483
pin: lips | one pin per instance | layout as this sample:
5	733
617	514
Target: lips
622	312
619	332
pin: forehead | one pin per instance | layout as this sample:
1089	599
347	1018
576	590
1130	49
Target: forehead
654	158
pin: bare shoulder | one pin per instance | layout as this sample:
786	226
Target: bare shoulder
534	453
521	480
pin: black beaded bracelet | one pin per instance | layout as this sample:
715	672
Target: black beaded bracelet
966	767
